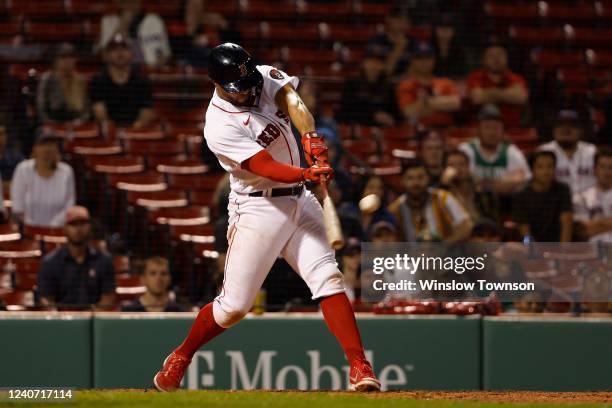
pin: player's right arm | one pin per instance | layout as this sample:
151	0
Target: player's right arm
264	165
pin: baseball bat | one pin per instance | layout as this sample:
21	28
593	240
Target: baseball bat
331	220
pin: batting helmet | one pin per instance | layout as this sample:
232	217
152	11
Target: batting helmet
230	66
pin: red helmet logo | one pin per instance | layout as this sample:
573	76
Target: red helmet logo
243	70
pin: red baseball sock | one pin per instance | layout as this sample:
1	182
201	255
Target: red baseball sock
203	330
340	319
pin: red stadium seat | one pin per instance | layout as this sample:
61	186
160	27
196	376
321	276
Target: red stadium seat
556	59
116	164
195	181
9	232
83	131
24	248
44	234
203	234
502	10
26	273
165	147
577	11
541	36
18	300
48	9
139	182
88	8
54	32
151	133
93	147
158	199
201	197
192	215
178	166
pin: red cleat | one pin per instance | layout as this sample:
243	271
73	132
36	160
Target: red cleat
171	374
362	377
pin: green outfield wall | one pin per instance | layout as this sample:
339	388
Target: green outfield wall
110	350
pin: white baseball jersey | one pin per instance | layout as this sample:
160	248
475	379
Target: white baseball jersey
593	203
576	171
236	133
260	229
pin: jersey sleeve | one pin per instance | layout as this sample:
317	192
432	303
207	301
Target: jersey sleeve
517	161
581	211
275	79
230	145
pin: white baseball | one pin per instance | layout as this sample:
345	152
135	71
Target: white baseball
369	203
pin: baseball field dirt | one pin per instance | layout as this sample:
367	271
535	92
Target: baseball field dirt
299	399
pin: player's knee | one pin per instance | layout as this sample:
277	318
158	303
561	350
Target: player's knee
227	316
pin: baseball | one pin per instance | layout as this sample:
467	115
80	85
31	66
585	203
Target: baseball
369	203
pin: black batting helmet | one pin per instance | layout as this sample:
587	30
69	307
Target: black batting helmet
230	66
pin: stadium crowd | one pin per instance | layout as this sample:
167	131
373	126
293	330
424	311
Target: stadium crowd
112	200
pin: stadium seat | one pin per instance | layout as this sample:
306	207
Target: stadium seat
555	59
93	147
201	197
147	148
54	32
138	182
153	133
208	181
538	36
157	199
9	232
575	251
70	132
18	300
178	166
47	10
502	10
193	233
44	234
25	248
26	273
115	164
192	215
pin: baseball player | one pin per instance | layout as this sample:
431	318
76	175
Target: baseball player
248	128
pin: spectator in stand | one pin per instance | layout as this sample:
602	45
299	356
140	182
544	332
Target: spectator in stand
204	30
495	164
323	117
432	154
495	83
395	42
349	263
543	210
77	275
375	185
62	92
9	157
119	93
43	187
428	214
451	58
479	204
146	30
155	277
383	231
574	157
593	206
369	98
424	98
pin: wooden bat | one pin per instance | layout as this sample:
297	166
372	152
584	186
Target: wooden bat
331	220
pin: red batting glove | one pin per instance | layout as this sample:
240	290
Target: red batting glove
315	149
318	173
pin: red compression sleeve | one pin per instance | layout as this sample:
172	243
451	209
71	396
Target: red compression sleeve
264	165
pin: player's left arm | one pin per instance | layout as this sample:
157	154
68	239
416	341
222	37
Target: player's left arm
288	100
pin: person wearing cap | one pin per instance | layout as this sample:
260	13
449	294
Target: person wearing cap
495	83
76	275
428	214
120	93
368	98
424	98
574	156
495	163
43	187
146	30
61	95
